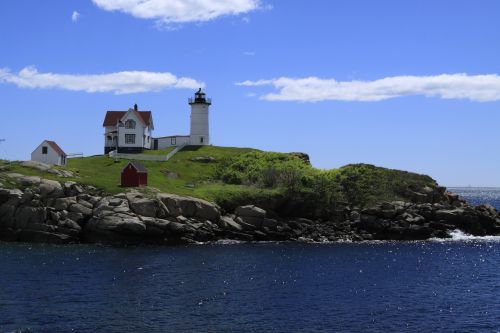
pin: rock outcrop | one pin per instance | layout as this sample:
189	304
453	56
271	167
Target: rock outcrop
41	210
203	159
303	156
48	168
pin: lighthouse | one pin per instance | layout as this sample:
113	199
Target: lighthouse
199	135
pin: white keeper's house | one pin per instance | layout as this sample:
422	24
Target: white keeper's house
132	131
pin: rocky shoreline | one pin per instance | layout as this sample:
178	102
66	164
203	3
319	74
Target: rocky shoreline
47	211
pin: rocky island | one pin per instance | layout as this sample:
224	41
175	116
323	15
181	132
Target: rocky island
255	196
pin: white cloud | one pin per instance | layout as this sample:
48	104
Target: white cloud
479	88
180	11
75	16
126	82
249	53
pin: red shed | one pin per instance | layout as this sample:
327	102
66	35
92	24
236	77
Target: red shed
134	175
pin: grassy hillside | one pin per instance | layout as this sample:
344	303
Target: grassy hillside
180	175
232	176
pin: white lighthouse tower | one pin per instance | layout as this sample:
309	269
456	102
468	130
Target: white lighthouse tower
199	119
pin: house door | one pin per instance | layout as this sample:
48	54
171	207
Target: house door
155	144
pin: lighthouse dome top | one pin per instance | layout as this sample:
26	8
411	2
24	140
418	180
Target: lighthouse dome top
199	98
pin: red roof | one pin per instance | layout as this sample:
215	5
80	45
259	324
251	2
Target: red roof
112	117
56	147
137	166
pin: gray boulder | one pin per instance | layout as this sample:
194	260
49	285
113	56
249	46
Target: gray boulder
79	208
189	207
250	215
29	215
383	210
53	215
27	197
144	207
108	205
72	189
67	223
115	202
7	213
6	195
85	203
36	165
14	175
77	217
64	203
270	223
250	211
117	223
249	223
157	224
303	156
51	189
227	222
29	181
451	216
203	159
66	174
178	228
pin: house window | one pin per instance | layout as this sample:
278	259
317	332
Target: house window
130	124
109	138
173	141
201	140
129	138
143	138
44	150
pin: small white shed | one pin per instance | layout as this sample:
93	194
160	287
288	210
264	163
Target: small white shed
49	152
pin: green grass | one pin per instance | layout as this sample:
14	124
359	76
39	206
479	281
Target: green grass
193	178
275	181
159	152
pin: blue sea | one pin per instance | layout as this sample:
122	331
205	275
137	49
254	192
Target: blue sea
479	195
433	286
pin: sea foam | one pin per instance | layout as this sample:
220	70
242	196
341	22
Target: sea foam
459	236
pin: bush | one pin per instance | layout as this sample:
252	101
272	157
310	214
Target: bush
268	170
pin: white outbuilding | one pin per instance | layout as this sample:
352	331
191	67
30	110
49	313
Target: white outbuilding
49	152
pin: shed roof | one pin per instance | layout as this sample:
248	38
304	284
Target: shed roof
138	166
56	148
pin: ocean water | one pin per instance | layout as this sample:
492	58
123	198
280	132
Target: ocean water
479	195
439	286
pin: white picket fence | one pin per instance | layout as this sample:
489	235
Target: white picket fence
144	157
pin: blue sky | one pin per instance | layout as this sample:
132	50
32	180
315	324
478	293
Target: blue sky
402	84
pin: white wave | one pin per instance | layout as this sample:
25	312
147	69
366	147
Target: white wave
460	236
228	242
